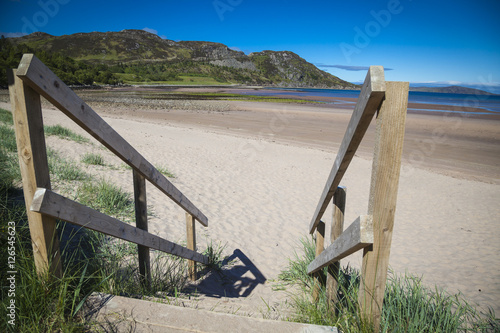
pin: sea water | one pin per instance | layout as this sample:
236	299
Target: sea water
489	103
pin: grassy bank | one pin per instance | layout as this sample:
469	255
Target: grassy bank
409	305
92	262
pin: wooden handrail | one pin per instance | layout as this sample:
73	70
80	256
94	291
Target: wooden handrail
26	84
39	77
372	232
357	236
369	101
52	204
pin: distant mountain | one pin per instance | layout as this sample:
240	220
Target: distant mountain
452	90
135	55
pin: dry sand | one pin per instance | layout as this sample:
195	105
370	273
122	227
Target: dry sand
258	170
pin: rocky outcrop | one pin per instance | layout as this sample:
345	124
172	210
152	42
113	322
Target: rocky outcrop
289	69
280	68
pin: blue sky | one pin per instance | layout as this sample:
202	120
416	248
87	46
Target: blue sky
421	41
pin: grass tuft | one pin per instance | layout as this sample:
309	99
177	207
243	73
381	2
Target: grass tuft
165	171
215	256
64	169
409	306
6	117
93	159
107	198
64	133
8	138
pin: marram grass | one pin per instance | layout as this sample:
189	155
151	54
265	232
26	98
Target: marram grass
409	306
64	133
93	159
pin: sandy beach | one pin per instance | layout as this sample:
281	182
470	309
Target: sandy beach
256	170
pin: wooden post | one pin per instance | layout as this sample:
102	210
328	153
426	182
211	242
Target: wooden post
141	220
319	279
339	199
28	126
383	194
191	244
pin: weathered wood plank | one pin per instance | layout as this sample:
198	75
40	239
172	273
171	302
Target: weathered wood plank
369	100
28	126
141	222
383	196
191	244
32	71
57	206
320	247
357	236
339	199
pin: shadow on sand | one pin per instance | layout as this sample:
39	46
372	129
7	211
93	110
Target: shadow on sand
237	278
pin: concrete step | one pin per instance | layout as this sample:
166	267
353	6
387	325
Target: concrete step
121	314
245	307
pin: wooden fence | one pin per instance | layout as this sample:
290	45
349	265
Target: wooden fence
371	232
33	79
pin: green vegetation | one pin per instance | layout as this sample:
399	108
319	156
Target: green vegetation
67	69
9	167
214	252
92	159
6	117
165	171
64	133
138	57
108	198
408	306
62	169
92	262
8	138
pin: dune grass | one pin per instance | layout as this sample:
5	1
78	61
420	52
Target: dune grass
93	159
167	173
64	169
409	305
92	262
64	133
107	198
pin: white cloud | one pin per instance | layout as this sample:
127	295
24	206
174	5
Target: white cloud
153	31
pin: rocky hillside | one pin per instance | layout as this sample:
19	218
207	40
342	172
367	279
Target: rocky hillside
135	54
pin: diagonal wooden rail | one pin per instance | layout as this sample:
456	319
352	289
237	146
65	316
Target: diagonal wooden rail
372	232
33	79
39	77
370	98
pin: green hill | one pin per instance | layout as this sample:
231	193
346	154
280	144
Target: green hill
137	56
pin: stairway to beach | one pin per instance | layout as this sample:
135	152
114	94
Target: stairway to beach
122	314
